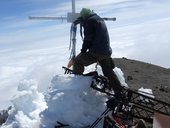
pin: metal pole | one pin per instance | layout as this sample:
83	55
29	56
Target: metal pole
73	6
99	118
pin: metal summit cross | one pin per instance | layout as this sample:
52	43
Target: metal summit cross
71	16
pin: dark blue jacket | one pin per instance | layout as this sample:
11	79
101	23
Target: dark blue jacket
96	37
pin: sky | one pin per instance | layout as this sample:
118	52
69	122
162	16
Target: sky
37	49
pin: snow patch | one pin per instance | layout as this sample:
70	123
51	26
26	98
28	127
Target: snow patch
146	92
27	105
120	76
71	101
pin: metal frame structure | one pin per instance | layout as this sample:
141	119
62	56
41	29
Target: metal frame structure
133	104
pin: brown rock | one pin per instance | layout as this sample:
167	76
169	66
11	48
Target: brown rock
146	75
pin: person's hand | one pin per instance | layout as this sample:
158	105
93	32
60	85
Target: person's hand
70	63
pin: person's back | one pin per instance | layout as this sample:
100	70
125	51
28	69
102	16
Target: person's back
96	34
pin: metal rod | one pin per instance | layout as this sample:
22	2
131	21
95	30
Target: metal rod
99	118
109	19
46	18
73	6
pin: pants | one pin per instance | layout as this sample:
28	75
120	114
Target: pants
86	59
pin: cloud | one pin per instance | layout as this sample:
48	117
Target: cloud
40	64
45	35
148	42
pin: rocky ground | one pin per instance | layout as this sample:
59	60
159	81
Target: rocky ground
4	115
139	74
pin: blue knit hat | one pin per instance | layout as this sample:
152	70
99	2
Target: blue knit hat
85	12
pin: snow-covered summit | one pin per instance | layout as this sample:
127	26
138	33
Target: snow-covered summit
69	99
